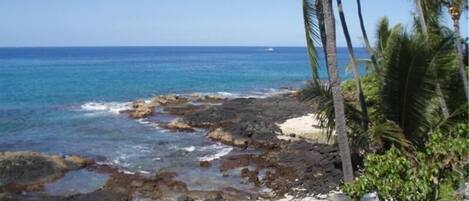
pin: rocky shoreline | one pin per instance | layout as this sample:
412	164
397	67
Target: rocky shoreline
298	167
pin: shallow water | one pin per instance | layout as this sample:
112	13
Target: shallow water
67	101
77	182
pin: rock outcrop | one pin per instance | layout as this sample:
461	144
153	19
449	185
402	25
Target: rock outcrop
141	109
30	170
179	125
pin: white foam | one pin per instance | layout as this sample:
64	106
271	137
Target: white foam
223	152
144	172
149	123
189	149
110	107
254	94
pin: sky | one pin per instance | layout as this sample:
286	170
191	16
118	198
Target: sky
180	22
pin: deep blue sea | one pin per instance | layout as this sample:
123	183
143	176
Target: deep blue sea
66	100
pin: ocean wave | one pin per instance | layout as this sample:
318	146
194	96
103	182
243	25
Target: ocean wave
264	93
221	150
189	149
256	93
110	107
118	107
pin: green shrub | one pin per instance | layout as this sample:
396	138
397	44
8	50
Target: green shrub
432	174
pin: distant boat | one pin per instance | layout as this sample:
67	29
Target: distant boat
270	49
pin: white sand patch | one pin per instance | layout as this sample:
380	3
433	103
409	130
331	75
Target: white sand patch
306	127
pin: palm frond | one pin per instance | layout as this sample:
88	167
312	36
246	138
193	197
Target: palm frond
408	88
321	95
389	134
382	34
364	62
312	35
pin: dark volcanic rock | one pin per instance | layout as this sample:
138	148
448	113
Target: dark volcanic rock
248	117
94	196
30	171
314	165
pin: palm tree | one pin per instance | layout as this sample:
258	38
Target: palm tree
334	82
409	86
421	16
455	8
370	50
338	99
322	31
353	62
309	13
424	28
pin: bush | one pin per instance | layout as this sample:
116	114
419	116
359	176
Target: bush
432	174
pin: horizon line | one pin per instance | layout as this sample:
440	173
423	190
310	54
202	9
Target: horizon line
106	46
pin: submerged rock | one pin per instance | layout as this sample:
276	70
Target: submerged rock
205	164
31	170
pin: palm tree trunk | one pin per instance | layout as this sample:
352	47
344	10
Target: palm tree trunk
421	17
439	92
367	42
441	99
338	99
353	61
457	34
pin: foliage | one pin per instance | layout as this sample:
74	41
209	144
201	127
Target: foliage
433	174
321	95
408	85
371	89
312	34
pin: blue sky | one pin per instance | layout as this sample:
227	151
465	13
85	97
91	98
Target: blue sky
178	22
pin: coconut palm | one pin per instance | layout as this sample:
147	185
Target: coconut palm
370	50
431	11
311	32
340	124
455	8
322	31
353	62
406	95
338	100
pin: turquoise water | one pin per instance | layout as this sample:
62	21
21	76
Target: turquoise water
66	100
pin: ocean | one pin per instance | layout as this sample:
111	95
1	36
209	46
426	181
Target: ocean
66	100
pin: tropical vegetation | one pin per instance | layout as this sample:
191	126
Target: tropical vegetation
407	118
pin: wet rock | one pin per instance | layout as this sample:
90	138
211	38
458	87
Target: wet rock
205	164
207	98
235	161
94	196
184	198
220	135
140	110
30	170
179	125
251	175
241	142
169	100
217	197
186	109
136	183
247	119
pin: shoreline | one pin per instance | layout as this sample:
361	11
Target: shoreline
247	122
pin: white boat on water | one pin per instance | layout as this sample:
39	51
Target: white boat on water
270	49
